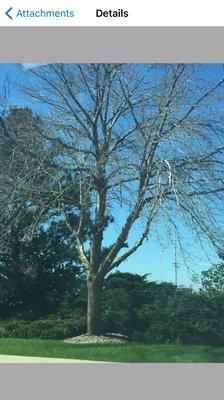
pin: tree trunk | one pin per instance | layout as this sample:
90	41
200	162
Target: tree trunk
94	289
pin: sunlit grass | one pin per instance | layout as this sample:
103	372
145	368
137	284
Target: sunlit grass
132	353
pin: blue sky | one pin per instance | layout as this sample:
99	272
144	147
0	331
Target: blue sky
151	258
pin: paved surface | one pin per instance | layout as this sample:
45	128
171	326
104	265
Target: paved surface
20	359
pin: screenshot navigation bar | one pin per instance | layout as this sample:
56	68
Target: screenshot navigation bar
116	13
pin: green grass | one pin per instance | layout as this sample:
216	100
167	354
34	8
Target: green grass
133	353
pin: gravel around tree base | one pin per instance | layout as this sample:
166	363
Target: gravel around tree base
109	338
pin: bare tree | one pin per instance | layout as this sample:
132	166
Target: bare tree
138	142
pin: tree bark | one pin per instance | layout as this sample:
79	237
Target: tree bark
94	290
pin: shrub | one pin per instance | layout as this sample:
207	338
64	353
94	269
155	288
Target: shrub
53	327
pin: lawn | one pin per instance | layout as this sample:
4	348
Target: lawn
133	353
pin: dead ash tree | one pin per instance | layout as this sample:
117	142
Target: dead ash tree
138	142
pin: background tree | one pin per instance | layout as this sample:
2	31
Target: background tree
213	279
39	271
123	296
41	276
18	135
142	144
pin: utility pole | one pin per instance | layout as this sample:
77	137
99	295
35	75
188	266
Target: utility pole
175	260
161	267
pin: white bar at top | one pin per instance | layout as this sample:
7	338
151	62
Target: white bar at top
140	13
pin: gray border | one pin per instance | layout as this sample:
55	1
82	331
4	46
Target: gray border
117	382
112	44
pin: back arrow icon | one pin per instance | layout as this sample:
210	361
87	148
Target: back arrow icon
8	13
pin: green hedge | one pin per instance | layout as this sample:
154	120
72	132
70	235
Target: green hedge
46	328
142	310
